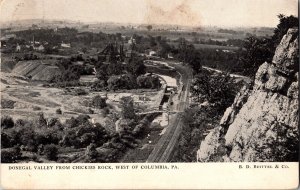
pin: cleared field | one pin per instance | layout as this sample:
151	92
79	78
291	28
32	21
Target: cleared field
44	70
30	99
208	46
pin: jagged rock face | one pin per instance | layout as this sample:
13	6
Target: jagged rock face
262	124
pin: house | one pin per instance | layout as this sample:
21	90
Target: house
39	48
18	48
65	45
170	56
131	41
152	53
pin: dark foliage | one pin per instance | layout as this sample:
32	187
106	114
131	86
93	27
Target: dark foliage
7	122
127	106
98	102
50	151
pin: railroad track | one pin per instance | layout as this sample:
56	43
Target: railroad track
160	152
164	148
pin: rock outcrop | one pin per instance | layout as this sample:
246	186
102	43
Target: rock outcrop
262	123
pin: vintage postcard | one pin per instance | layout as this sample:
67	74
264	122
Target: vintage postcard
149	94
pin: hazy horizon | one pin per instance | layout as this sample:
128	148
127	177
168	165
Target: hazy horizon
195	13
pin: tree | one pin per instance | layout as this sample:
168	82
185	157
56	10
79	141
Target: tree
148	82
10	155
136	67
5	140
285	23
99	102
127	106
125	81
91	153
257	52
217	89
51	151
7	122
101	73
27	137
149	27
58	111
40	121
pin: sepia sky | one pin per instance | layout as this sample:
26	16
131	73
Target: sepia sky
182	12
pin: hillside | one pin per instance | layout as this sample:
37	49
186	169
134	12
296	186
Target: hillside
42	70
262	123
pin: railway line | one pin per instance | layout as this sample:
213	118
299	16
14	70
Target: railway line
164	149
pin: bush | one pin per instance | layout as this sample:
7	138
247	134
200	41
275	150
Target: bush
50	151
71	123
148	82
40	121
127	106
7	104
27	137
58	111
99	102
36	108
7	122
80	92
82	119
217	89
105	111
125	81
5	140
91	111
91	153
10	155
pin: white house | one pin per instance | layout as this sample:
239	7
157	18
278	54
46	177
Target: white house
152	53
18	48
39	48
65	45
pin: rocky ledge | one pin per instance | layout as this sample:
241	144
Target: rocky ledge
262	123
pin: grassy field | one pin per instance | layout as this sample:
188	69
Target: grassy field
208	46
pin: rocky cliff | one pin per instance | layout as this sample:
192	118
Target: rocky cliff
262	123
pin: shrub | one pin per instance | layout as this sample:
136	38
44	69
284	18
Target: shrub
105	111
20	123
91	111
5	140
80	92
40	121
7	104
217	89
148	82
36	108
7	122
125	81
58	111
127	106
83	119
99	102
50	151
10	155
91	153
71	123
27	137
